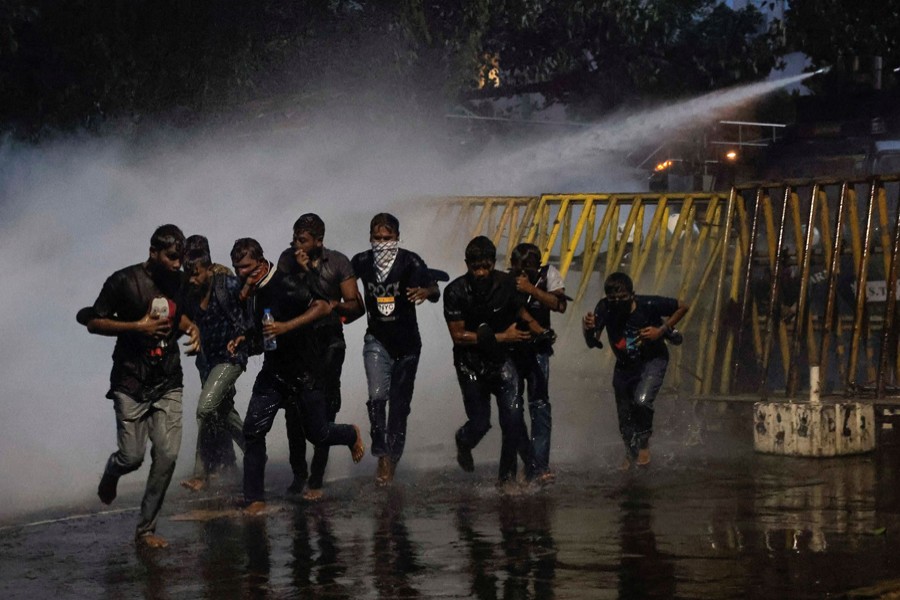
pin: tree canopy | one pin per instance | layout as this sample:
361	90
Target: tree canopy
80	63
845	34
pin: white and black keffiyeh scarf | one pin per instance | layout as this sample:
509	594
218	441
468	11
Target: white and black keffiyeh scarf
385	254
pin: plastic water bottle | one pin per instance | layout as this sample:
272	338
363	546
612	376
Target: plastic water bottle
269	341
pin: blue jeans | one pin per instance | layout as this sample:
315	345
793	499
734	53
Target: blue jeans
476	392
391	382
534	376
136	422
334	363
215	410
269	394
635	391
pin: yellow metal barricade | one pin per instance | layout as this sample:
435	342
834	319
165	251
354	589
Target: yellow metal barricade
780	276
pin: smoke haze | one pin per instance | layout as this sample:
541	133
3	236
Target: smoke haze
74	211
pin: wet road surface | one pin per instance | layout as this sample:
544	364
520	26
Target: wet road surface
697	523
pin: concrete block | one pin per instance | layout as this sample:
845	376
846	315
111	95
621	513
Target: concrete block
813	429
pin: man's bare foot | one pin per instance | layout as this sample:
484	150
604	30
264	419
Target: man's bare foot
107	488
358	449
313	494
151	540
383	472
195	484
546	478
643	457
255	508
626	464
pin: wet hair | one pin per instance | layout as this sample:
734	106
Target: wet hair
481	248
167	236
618	283
244	247
312	224
386	220
525	256
196	242
195	257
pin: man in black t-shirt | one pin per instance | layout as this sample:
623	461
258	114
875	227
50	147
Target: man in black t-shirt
293	372
544	292
638	341
486	315
330	275
142	307
394	281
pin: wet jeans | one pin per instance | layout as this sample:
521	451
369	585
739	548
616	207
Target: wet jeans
269	394
635	391
334	363
136	422
391	381
534	377
476	389
215	410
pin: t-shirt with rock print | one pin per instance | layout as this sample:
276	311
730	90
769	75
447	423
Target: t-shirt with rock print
624	334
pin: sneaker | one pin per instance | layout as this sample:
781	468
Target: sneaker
643	457
464	457
107	488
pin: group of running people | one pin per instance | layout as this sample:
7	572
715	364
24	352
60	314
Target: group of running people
293	312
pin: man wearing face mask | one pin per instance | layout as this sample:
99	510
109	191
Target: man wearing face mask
142	306
394	281
638	341
330	275
486	316
544	292
293	371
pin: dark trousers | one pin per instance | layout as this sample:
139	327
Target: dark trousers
534	377
476	389
269	394
635	391
390	382
334	364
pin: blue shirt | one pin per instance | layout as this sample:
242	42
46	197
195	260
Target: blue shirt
221	321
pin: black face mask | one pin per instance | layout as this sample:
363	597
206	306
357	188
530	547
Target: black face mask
480	286
619	308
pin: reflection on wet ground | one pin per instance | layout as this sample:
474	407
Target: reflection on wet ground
696	524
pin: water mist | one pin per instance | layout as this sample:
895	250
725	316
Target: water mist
74	211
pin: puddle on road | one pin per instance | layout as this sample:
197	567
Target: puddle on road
744	526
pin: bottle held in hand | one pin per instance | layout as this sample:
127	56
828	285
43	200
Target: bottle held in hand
159	309
269	341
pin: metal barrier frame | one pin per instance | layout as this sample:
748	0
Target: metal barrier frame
712	255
